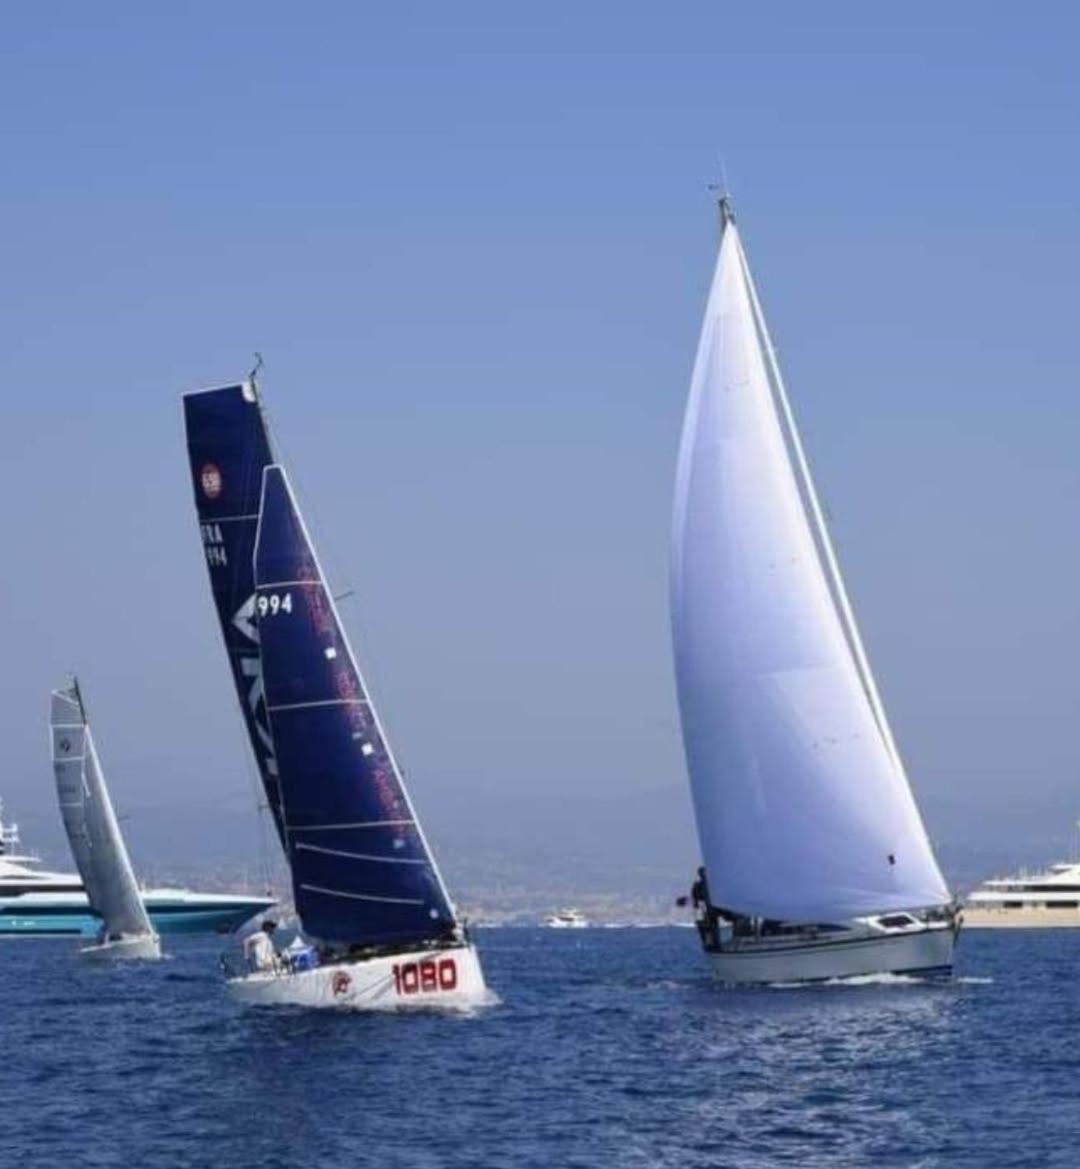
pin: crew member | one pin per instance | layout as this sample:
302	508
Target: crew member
699	895
259	949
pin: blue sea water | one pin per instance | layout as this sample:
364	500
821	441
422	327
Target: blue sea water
609	1048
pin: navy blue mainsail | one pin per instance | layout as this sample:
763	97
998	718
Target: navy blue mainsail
362	872
228	448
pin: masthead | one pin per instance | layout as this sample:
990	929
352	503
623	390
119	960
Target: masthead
723	201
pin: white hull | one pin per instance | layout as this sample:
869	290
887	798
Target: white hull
928	949
144	947
447	978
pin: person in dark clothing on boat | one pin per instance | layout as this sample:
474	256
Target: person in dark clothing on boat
699	896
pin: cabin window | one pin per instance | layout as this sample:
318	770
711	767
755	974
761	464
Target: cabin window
1013	904
1061	905
895	920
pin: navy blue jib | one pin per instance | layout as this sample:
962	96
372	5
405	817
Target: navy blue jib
228	449
361	873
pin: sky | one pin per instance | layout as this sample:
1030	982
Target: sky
472	243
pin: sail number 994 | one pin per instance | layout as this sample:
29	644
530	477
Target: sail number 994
270	605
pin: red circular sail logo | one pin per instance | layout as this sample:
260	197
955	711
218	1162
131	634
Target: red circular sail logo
210	479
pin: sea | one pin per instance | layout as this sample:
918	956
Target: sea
608	1047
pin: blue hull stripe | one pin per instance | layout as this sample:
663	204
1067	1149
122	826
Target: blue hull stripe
173	919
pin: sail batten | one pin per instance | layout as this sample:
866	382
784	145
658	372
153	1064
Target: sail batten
336	769
90	822
804	810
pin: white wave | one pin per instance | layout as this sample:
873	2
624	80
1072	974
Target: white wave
882	979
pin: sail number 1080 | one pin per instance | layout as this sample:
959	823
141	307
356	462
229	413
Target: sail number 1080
427	976
270	605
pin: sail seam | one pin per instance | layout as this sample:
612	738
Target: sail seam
361	896
320	702
357	824
361	856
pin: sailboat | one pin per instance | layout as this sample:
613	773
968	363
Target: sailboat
94	834
817	863
382	928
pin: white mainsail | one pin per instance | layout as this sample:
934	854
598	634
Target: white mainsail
90	822
803	809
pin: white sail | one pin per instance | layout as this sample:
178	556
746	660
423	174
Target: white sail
100	854
803	809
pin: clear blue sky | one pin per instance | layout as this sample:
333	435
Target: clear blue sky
472	242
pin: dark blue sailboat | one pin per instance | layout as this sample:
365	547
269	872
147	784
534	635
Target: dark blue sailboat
366	887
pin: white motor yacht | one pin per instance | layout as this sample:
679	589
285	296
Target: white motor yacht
37	902
1045	900
566	919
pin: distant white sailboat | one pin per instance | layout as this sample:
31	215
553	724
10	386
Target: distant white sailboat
817	864
94	834
380	927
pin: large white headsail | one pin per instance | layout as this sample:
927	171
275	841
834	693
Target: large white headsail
803	809
90	822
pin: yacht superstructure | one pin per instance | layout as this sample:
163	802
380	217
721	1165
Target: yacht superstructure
38	902
1045	900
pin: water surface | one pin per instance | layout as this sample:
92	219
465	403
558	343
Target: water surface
610	1048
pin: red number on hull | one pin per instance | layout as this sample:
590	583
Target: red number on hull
427	976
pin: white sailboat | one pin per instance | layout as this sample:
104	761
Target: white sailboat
379	928
817	864
94	834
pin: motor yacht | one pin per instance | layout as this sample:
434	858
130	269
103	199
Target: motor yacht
35	901
566	919
1046	900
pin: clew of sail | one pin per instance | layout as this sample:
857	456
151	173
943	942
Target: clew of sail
361	869
90	822
803	809
228	449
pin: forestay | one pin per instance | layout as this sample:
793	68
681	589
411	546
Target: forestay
228	449
362	872
90	823
803	809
